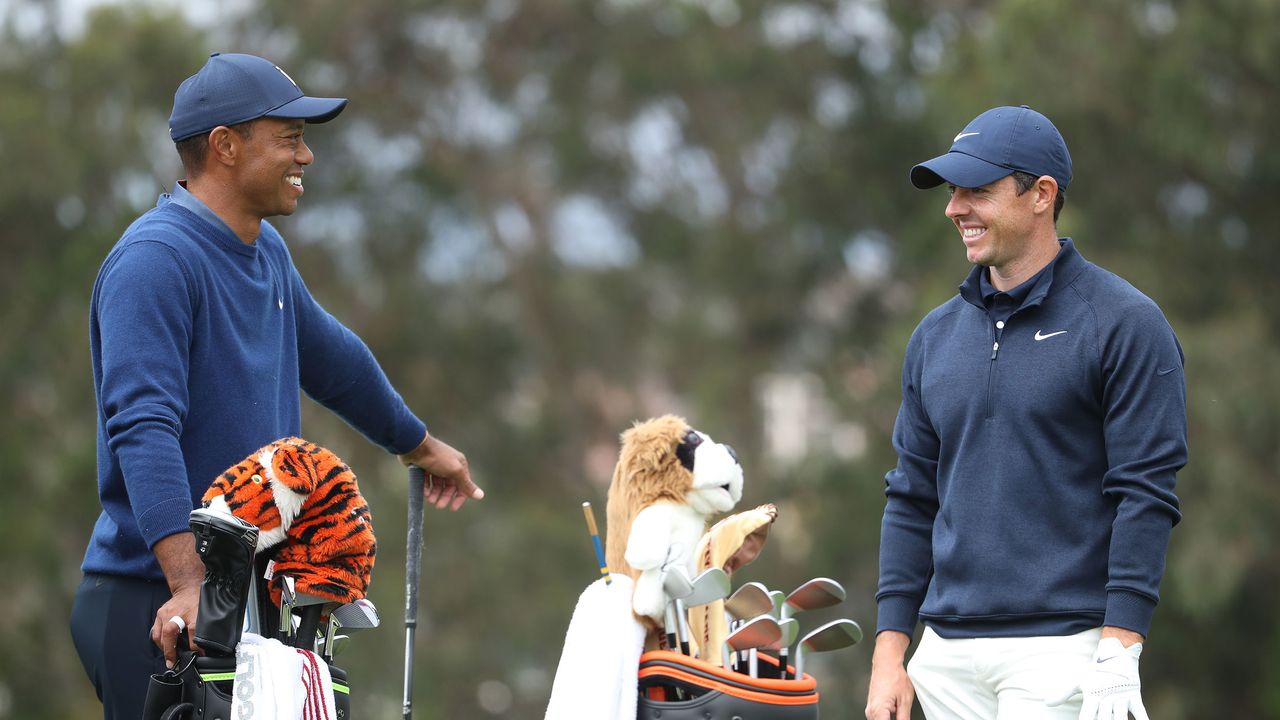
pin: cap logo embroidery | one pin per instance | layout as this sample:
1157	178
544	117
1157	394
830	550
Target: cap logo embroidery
286	77
964	135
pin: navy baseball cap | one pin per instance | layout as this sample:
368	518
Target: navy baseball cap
232	88
995	144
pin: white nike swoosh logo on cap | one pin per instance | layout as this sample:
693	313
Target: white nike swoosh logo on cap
964	135
1040	336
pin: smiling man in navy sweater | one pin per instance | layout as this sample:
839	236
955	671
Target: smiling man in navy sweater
1043	421
202	333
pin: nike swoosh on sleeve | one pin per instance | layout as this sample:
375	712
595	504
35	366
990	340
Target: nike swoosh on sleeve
1166	372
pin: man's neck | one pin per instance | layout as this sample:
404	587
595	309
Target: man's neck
225	205
1039	253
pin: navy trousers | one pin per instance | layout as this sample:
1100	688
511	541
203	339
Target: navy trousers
111	627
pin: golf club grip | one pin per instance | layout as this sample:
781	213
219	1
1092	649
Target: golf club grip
413	560
413	548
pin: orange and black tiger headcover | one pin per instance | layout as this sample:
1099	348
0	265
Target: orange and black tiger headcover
302	494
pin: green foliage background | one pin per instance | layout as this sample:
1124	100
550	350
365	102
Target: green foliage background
749	228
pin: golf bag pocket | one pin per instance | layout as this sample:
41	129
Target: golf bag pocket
678	687
164	695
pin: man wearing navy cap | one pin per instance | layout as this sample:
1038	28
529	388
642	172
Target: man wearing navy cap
202	334
1042	424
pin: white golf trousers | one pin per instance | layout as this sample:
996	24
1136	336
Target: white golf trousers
999	678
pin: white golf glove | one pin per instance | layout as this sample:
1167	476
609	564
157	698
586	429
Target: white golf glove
1111	687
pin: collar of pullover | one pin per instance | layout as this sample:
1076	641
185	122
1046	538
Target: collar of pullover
1064	268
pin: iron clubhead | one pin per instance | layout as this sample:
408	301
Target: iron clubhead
779	600
358	615
710	585
834	635
748	601
758	632
676	583
813	595
790	631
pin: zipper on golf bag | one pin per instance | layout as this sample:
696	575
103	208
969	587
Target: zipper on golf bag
713	693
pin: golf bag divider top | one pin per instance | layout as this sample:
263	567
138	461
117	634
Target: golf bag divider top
714	693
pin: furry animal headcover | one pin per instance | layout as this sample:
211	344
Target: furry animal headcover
669	480
304	496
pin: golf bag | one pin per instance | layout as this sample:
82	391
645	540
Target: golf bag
674	686
201	687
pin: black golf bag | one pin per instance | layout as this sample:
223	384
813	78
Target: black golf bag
674	686
201	687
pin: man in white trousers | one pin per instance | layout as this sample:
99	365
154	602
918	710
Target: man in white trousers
1042	424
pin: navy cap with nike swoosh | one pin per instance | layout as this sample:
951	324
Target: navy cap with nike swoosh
233	88
995	144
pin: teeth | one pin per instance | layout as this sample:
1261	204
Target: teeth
972	232
294	180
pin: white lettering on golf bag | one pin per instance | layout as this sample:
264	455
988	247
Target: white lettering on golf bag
245	671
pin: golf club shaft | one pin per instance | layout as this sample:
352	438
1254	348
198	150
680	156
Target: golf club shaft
413	560
595	540
307	627
682	622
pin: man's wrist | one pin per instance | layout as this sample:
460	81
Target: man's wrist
1127	638
891	648
418	450
179	561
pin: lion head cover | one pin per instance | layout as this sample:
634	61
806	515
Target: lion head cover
669	481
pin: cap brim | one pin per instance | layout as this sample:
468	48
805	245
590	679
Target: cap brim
311	109
956	168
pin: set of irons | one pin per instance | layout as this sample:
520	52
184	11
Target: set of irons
301	629
758	619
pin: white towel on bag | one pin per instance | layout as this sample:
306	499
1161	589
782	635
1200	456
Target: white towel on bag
597	676
278	682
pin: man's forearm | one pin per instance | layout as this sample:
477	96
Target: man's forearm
178	559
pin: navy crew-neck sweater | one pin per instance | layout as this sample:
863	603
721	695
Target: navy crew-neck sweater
200	344
1034	490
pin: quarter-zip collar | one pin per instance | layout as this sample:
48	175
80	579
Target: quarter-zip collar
1065	266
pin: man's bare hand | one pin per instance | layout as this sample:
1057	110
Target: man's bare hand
449	482
890	694
184	572
164	630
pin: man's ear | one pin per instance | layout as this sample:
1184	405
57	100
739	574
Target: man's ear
1046	191
224	145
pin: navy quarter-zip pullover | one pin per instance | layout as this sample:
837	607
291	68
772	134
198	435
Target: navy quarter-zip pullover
1034	490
